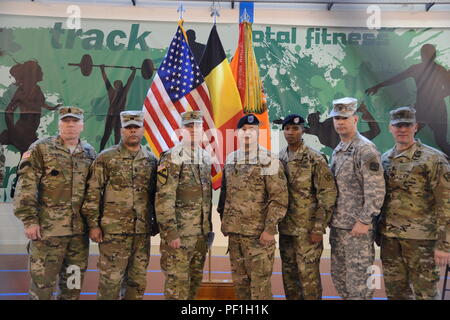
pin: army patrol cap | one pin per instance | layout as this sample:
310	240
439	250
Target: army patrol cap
191	117
74	112
128	118
292	119
344	107
403	115
248	119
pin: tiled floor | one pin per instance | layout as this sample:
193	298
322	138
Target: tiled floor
14	278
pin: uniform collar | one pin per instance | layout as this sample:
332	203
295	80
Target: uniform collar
345	146
408	153
59	143
261	155
189	155
125	153
299	153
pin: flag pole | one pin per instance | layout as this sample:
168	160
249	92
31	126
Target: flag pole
214	12
181	10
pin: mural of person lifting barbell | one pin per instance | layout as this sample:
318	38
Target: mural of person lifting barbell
29	99
327	134
117	100
433	83
117	93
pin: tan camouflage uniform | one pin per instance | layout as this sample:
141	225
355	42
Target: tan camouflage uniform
253	199
357	168
312	195
183	209
120	200
415	220
184	198
50	192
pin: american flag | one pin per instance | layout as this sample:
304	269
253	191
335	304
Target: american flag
177	87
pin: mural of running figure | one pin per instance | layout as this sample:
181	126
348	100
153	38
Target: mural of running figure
117	99
30	100
433	85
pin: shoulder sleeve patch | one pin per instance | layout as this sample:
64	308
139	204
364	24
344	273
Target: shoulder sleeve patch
26	155
447	176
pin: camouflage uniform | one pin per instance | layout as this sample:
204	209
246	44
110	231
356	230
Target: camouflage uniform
2	166
183	209
50	192
253	199
356	165
312	195
415	220
120	200
357	168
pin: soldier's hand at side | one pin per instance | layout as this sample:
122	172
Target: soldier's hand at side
175	244
359	229
96	235
442	258
266	238
315	237
33	232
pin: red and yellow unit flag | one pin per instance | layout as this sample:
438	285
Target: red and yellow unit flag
250	86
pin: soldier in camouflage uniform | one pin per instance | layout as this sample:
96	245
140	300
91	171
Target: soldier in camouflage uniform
50	192
356	165
415	221
253	200
2	166
119	209
183	208
312	196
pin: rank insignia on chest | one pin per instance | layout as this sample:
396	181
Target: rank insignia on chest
374	166
162	174
417	155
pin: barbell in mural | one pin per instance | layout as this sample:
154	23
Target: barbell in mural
86	65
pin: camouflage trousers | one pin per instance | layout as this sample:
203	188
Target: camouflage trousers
123	265
409	269
53	258
300	261
351	259
251	266
183	267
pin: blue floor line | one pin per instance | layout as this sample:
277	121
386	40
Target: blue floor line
214	272
162	294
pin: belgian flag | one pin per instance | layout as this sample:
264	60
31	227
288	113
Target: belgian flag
224	95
